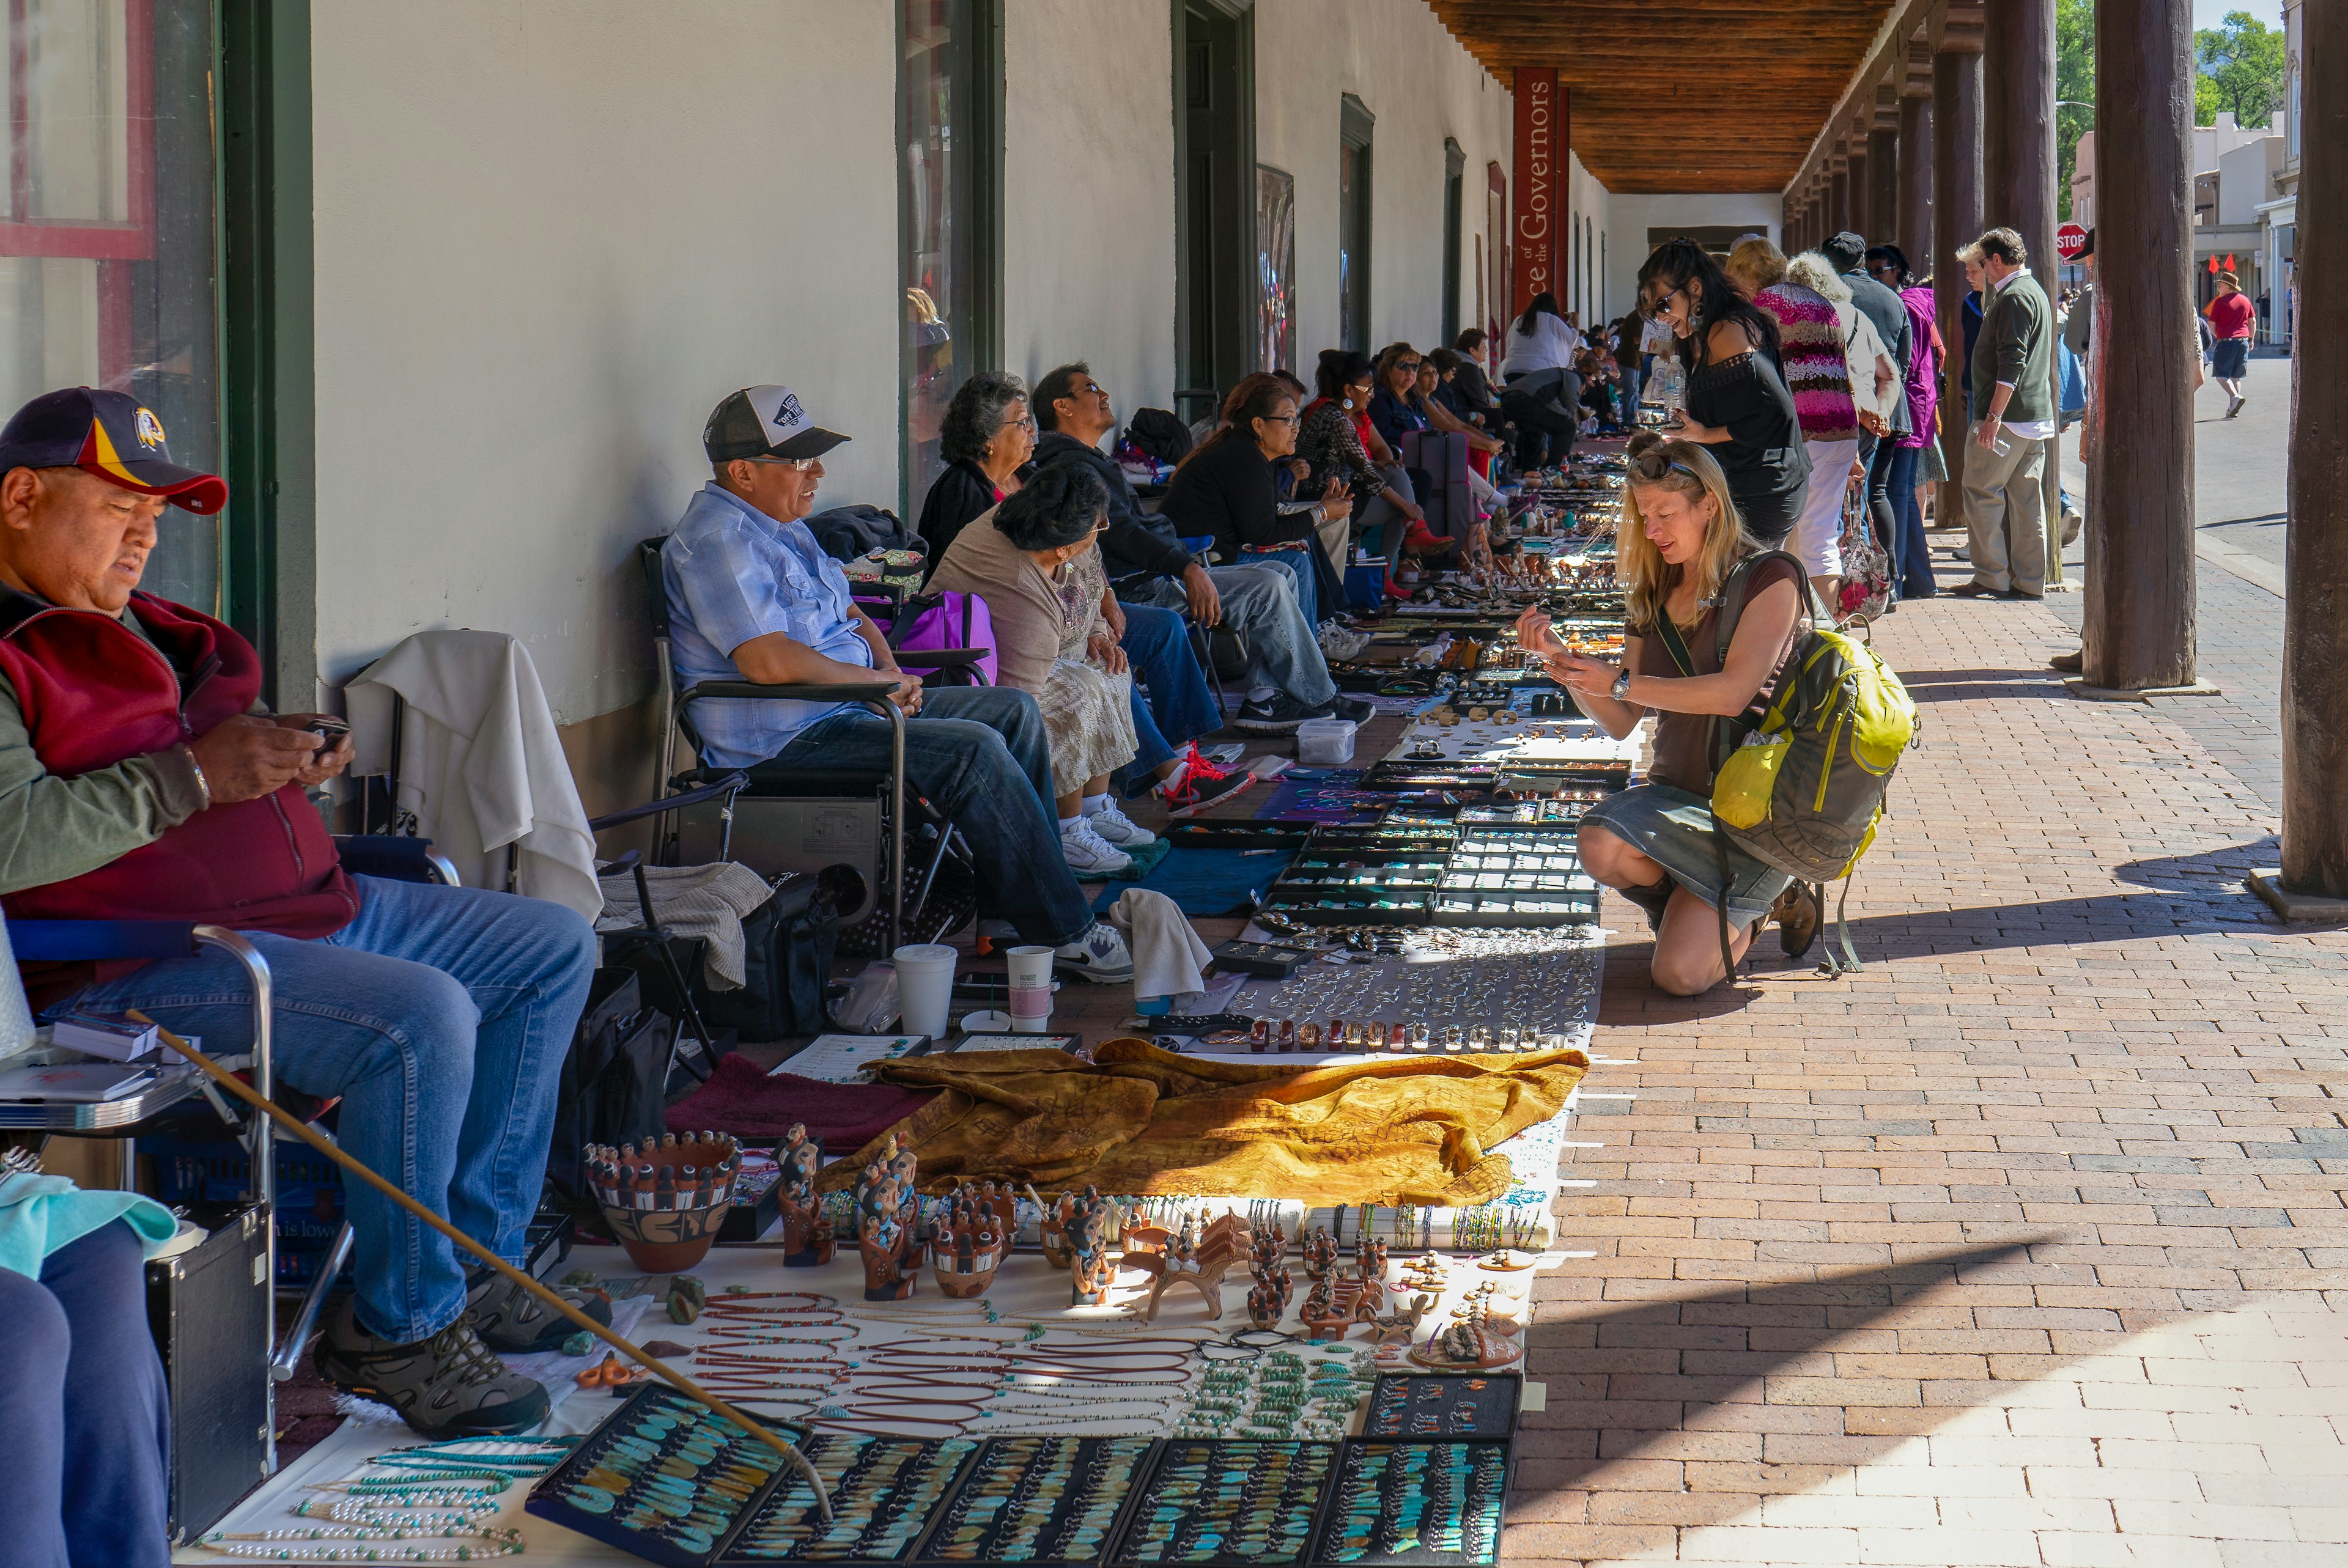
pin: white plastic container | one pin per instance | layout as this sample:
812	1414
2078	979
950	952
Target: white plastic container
1325	743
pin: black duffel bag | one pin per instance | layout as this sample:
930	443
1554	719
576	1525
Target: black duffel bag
790	940
614	1082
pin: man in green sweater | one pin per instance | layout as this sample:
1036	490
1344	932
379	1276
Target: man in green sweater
2013	426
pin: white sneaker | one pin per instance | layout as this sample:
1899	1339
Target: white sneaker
1118	829
1089	854
1099	954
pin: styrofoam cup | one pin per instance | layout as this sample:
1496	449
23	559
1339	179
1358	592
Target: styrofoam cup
1030	1025
1031	969
925	973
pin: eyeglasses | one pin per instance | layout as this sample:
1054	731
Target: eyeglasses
1023	423
1406	364
797	465
1281	419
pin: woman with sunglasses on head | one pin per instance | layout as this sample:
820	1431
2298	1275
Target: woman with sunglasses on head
1677	544
1737	406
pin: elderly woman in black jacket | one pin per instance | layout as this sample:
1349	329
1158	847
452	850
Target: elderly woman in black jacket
987	438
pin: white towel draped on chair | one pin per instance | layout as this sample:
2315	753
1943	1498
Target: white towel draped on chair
480	765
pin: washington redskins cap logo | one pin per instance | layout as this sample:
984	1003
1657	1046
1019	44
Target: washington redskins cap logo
111	434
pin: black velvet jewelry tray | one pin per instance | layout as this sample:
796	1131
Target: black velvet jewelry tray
550	1499
1329	1548
790	1503
1315	1462
1495	1402
1313	908
1233	835
1125	1460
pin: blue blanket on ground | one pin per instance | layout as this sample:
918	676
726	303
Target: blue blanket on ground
1208	881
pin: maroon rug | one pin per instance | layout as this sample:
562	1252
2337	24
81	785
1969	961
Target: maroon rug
740	1099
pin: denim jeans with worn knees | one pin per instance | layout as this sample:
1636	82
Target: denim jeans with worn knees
1260	605
441	1016
88	1417
980	755
1179	708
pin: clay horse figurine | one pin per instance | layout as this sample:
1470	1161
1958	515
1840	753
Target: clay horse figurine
807	1234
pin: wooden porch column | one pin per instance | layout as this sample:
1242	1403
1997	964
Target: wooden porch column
1860	189
1914	230
2315	632
1883	186
2018	170
2139	570
1838	204
1957	219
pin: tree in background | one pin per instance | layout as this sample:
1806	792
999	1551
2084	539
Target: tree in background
2242	68
2074	90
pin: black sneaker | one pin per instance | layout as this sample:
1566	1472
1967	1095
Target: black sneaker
514	1322
1200	791
450	1386
1361	710
1279	714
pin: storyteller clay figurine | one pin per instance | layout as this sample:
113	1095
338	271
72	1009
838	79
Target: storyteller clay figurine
886	1240
967	1248
1319	1253
808	1239
1090	1267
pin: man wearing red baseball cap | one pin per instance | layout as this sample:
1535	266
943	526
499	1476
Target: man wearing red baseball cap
140	778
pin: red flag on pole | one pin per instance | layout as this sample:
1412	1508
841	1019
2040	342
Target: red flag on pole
2213	266
2229	261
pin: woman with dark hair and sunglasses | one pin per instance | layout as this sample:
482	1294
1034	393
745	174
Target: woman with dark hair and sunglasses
1736	404
1678	542
1225	488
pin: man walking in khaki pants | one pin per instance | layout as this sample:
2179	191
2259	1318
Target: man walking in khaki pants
2014	426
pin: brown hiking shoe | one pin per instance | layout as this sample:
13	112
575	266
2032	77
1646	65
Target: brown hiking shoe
514	1322
450	1386
1797	920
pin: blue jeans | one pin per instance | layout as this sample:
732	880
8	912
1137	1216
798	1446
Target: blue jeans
441	1016
87	1418
979	754
1180	709
1260	605
1297	566
1912	563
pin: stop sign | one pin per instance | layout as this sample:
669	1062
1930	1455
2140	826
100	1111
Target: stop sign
2069	241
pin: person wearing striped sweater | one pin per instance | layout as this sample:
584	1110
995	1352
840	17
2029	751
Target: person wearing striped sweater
1818	373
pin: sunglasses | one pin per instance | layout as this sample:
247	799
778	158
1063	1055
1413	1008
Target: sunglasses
1653	467
797	465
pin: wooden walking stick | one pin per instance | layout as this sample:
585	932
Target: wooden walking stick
660	1370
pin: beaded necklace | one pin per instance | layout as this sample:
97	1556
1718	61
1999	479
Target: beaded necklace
256	1547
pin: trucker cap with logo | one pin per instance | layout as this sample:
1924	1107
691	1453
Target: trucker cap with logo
111	434
764	422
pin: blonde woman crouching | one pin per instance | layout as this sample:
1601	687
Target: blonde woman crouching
1679	539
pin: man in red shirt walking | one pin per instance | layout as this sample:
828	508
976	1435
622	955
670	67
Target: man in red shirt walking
2232	320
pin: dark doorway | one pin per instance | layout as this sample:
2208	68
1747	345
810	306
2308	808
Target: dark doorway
1215	249
1455	191
1355	124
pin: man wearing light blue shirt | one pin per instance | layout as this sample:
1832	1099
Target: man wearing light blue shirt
752	597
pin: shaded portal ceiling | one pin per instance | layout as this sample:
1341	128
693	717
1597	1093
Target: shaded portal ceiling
1681	95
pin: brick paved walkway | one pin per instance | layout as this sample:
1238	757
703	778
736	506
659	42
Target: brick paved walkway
2024	1245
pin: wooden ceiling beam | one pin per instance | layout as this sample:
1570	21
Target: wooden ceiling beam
1901	25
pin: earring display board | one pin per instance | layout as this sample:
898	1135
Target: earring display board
1411	1408
884	1493
1397	1503
1040	1502
664	1478
1224	1505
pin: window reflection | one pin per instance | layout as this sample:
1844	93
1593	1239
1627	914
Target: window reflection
107	267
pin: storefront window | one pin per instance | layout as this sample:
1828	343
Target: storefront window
1354	129
1275	236
946	183
106	246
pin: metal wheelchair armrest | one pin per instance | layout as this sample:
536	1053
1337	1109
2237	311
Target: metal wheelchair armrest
395	858
729	787
874	695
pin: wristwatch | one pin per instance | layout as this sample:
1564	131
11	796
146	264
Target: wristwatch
1620	690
